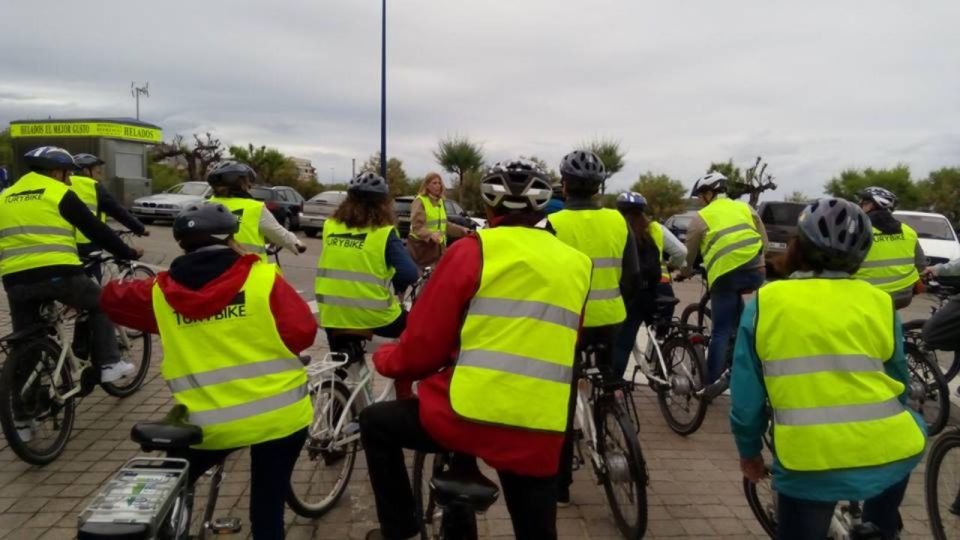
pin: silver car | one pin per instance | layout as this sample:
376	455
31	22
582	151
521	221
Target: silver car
318	209
168	204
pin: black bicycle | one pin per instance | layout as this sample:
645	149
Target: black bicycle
449	499
942	486
942	290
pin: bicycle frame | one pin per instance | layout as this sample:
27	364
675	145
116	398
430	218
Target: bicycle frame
645	366
77	365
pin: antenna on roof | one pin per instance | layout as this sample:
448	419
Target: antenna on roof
137	91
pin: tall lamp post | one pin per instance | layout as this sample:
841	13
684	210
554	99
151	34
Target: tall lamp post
383	92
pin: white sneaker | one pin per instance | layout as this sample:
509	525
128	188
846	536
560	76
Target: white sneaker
25	429
113	372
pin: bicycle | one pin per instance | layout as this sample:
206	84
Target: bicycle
674	367
942	292
44	375
150	497
943	477
456	492
409	297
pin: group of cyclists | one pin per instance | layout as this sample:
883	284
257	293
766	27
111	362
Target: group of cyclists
494	339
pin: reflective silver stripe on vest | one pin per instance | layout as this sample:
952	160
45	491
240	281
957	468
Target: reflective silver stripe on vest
732	247
254	248
838	415
501	307
887	262
46	248
886	279
517	365
817	364
350	275
353	302
246	410
57	231
92	208
607	262
604	294
723	232
232	373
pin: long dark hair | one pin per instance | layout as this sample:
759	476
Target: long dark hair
360	213
640	225
801	256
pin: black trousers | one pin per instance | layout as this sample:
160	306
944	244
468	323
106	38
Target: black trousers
389	427
271	465
942	331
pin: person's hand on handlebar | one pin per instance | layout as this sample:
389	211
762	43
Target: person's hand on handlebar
301	248
753	468
930	272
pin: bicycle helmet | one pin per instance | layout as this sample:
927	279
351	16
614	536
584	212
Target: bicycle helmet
713	181
583	166
884	198
515	186
50	158
368	185
838	232
86	161
230	173
631	201
204	224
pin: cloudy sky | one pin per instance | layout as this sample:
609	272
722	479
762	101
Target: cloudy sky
814	87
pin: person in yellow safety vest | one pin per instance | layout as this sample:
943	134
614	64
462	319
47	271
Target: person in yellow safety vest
39	219
492	340
429	226
730	237
896	258
231	183
87	185
603	235
824	354
362	257
232	329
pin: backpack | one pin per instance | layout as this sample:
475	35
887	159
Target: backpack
649	257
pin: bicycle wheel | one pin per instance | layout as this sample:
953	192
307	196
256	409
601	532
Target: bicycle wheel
428	514
914	329
323	470
624	476
763	502
695	315
942	486
25	386
136	347
928	393
686	371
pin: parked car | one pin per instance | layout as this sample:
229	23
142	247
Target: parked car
168	204
937	236
455	214
678	223
316	211
780	220
283	202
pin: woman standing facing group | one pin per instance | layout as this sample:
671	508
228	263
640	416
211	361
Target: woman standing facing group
429	227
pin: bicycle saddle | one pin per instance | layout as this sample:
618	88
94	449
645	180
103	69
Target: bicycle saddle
171	433
663	301
347	334
464	484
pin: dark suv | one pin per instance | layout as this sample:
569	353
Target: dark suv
455	214
780	220
284	202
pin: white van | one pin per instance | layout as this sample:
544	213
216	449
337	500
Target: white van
937	237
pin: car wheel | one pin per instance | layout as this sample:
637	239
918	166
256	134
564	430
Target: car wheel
285	222
311	233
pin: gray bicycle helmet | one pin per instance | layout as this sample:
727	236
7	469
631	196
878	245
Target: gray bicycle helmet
368	185
884	198
516	186
230	173
836	233
583	166
204	224
712	181
50	158
85	161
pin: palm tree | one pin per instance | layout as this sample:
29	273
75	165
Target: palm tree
458	155
609	152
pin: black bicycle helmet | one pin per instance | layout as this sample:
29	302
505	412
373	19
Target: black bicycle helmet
836	233
230	173
884	198
712	181
583	166
204	224
516	186
368	185
50	158
86	161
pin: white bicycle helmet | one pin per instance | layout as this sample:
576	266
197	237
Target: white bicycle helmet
713	181
516	186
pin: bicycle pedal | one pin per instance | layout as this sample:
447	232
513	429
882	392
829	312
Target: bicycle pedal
226	525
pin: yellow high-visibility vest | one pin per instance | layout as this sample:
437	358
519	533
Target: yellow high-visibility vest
890	263
86	189
822	344
600	234
248	211
518	341
436	218
232	371
656	232
353	278
732	239
33	234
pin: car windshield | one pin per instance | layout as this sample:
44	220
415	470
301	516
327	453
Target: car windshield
932	227
781	213
261	194
197	189
401	206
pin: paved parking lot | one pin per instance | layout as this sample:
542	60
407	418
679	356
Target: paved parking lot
694	490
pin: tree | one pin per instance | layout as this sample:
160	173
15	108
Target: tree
941	191
396	177
6	150
665	196
852	181
468	193
205	152
797	197
609	152
272	167
552	173
728	169
458	155
164	176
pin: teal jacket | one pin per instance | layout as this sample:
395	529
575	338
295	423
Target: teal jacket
749	422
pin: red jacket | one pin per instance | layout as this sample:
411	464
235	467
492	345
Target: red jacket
130	303
426	351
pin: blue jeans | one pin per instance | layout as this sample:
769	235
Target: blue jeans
799	519
725	307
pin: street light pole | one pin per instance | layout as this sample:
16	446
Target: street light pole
383	92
